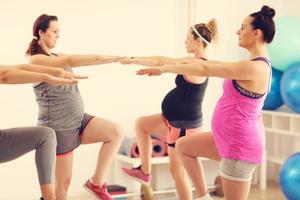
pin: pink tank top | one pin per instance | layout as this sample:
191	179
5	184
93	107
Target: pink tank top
237	123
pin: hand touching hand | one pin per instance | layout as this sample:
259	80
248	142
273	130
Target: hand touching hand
125	61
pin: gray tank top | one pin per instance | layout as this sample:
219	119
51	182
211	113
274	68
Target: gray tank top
60	107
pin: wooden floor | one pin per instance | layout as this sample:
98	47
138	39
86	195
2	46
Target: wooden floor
273	192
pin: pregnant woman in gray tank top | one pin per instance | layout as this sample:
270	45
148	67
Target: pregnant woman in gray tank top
61	108
15	142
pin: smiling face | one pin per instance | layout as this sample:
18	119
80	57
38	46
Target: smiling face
247	35
50	36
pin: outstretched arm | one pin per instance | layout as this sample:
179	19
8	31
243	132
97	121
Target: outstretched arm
13	75
242	70
58	72
74	60
156	60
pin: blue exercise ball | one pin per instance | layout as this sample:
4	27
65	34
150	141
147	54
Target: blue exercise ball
290	177
285	48
290	87
274	100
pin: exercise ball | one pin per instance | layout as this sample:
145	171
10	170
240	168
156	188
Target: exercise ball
290	87
274	100
290	177
285	48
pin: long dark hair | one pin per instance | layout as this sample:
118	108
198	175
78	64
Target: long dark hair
41	23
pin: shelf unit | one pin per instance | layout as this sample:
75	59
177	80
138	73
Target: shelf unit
282	129
160	173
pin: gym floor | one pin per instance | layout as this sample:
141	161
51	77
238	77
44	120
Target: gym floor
273	192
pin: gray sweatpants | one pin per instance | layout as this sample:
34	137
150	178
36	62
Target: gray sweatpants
16	142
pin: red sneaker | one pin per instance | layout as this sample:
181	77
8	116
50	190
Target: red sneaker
137	174
99	192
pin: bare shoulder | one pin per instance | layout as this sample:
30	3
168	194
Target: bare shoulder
252	65
36	58
261	66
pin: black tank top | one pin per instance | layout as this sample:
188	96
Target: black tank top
182	106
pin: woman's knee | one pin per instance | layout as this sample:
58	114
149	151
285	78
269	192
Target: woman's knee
141	123
47	135
117	133
64	182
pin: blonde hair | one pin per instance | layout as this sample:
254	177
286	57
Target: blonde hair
212	27
208	31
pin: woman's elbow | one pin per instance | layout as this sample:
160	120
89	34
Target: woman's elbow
70	61
4	76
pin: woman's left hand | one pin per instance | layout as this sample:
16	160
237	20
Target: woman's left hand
153	71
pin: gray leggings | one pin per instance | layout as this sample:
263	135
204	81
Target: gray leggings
16	142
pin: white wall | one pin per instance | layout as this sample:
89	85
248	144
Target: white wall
122	27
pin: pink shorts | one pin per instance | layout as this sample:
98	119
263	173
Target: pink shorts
174	133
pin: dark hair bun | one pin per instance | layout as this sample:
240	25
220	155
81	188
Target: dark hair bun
267	11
